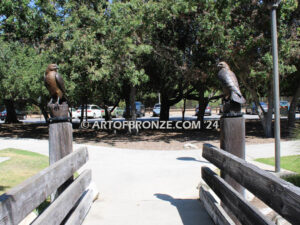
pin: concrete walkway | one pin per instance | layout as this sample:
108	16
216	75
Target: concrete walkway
147	186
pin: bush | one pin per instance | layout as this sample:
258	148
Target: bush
294	179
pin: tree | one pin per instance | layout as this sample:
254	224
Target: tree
22	28
21	75
249	52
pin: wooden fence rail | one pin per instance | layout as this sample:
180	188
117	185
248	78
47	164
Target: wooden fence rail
278	194
21	200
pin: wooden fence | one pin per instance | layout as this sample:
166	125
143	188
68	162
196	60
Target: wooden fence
283	197
70	207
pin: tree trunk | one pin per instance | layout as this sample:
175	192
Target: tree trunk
267	117
292	111
132	117
82	111
132	103
183	110
165	108
202	103
85	111
11	116
127	106
107	115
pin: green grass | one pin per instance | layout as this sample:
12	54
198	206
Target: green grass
291	163
21	165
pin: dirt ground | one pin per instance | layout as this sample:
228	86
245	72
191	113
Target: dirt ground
146	139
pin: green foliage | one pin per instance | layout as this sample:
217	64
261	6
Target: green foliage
170	47
294	179
21	71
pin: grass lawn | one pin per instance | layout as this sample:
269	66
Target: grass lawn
291	163
21	165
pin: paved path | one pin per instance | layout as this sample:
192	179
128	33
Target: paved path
147	186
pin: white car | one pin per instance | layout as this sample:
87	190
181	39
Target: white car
93	111
74	113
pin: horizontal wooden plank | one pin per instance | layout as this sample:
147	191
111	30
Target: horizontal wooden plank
244	212
80	212
215	210
19	201
280	195
60	208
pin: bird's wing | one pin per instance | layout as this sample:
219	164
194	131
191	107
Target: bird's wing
228	79
60	83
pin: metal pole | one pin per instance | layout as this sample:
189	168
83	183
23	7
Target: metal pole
276	88
158	97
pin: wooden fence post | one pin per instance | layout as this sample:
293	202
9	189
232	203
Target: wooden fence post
60	145
60	141
233	141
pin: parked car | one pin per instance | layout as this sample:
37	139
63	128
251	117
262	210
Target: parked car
75	115
156	110
93	111
3	115
252	109
284	107
21	115
117	112
140	110
207	110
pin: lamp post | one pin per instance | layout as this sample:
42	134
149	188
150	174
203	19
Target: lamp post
273	5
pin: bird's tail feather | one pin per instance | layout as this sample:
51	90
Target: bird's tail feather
238	98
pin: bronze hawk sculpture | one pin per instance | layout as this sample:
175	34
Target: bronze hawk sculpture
55	84
233	97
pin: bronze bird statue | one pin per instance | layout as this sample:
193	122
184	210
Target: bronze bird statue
55	84
231	88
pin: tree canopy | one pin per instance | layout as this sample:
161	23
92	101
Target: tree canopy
105	49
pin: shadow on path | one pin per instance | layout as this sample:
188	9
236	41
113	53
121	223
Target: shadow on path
190	210
191	159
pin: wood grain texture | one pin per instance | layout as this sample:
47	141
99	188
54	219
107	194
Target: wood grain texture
232	140
60	145
60	141
19	201
243	211
82	209
60	208
280	195
232	135
216	212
